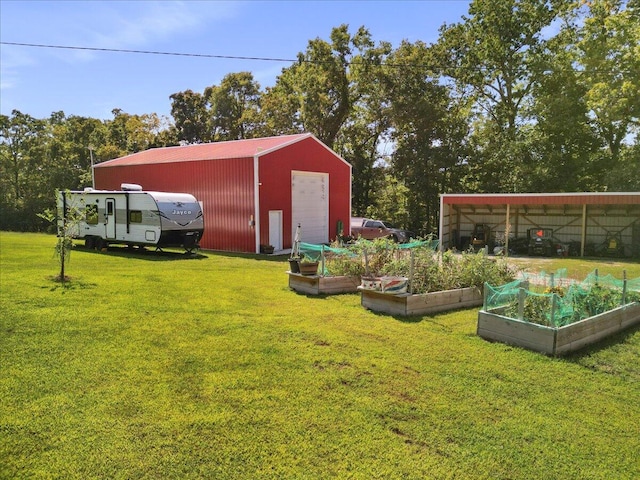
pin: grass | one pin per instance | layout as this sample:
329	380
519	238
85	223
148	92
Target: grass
164	366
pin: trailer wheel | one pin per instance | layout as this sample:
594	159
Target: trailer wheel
101	244
89	243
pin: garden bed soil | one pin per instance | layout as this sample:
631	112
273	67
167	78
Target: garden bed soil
406	304
556	340
319	285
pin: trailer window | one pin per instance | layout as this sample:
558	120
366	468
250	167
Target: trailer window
91	214
135	216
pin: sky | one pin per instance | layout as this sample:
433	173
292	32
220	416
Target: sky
92	83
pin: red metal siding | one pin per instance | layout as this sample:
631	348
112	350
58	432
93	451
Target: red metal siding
225	188
275	189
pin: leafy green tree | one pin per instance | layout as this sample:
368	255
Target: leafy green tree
315	94
490	57
391	202
427	130
625	177
22	142
132	133
609	55
364	136
234	107
189	111
562	143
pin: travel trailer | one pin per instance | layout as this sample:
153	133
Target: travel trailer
132	217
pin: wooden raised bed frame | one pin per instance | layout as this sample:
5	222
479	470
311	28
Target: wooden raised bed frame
557	340
319	285
407	304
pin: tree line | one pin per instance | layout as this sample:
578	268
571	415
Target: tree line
519	96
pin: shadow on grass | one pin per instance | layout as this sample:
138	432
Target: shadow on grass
262	257
432	318
616	340
319	296
69	283
162	255
146	254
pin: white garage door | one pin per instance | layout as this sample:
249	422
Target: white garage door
310	206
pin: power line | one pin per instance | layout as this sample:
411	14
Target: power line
301	59
149	52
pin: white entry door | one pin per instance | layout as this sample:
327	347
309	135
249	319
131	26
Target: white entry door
275	229
310	206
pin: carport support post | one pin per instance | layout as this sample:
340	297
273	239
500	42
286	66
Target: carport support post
411	270
366	262
521	296
584	229
506	232
322	262
624	287
485	294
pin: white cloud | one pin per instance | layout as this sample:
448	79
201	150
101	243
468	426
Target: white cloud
140	24
12	59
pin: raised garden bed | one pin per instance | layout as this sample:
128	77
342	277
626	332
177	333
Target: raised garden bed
323	285
556	340
406	304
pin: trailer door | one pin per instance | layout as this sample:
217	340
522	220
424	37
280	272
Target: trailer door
110	214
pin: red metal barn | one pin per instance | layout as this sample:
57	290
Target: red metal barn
253	192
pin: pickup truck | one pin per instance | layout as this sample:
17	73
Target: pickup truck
370	229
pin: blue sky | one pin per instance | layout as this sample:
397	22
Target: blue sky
39	81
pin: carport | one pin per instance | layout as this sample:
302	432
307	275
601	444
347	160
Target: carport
592	219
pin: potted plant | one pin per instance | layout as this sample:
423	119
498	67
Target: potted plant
308	266
267	249
294	264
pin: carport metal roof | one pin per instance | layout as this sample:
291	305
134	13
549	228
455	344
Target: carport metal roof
589	198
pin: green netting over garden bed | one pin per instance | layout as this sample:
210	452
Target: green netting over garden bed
543	300
417	263
360	257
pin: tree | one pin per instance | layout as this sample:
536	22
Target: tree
234	107
189	111
365	133
490	57
608	52
132	133
314	95
66	219
22	141
428	132
561	140
391	203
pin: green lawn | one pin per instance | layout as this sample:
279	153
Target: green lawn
164	366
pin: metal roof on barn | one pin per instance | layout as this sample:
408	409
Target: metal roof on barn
207	151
